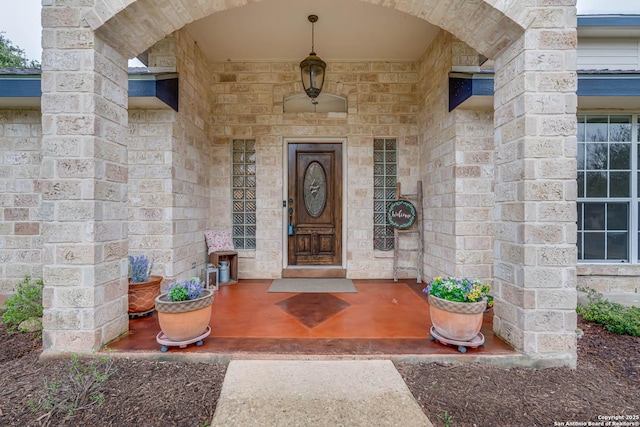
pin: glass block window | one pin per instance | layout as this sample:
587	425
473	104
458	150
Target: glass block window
385	177
607	188
244	193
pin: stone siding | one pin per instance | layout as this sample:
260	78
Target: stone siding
438	158
474	196
609	277
192	162
21	209
170	166
535	188
84	185
457	169
247	102
150	202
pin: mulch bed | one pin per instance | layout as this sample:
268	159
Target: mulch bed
149	393
138	392
606	382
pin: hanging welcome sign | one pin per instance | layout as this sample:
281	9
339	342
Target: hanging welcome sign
401	214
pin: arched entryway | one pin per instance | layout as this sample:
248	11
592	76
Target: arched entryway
84	113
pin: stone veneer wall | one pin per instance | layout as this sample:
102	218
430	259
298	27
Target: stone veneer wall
609	277
21	210
474	196
84	181
248	103
457	171
170	165
437	153
150	200
535	191
192	158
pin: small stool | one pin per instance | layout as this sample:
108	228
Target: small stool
232	257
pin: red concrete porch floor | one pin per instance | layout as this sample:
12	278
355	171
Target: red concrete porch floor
384	318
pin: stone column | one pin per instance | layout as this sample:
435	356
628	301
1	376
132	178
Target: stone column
535	141
84	184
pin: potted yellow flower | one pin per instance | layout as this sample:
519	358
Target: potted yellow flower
457	306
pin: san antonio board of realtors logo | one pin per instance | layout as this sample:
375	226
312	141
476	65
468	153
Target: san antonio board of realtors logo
401	214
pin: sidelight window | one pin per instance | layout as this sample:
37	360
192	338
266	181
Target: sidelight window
385	177
244	193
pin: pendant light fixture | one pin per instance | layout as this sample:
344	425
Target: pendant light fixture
312	68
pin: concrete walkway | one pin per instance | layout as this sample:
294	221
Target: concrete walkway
316	393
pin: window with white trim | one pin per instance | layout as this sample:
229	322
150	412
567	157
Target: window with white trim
608	193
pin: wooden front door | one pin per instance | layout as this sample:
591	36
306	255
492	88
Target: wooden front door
314	206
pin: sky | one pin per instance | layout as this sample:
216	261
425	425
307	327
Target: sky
20	20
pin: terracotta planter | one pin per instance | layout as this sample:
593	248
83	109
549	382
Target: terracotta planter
460	321
142	295
184	320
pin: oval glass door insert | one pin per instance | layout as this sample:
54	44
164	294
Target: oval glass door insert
315	189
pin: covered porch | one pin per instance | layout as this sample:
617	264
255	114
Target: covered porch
114	179
382	319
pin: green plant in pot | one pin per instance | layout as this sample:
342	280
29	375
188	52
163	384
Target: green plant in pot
457	306
184	310
143	287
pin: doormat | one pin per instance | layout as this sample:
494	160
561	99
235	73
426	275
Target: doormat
312	285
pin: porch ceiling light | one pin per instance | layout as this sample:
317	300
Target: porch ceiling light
312	69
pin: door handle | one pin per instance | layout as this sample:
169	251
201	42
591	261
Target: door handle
290	228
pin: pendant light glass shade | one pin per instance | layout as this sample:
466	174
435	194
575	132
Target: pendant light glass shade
312	68
312	73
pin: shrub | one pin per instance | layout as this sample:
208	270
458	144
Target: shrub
25	304
614	317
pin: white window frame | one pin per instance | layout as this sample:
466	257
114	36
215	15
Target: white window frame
633	200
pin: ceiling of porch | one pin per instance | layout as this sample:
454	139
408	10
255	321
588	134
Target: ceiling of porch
278	30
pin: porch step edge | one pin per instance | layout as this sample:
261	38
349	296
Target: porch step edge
324	273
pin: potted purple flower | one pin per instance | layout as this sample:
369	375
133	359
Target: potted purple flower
184	310
143	287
